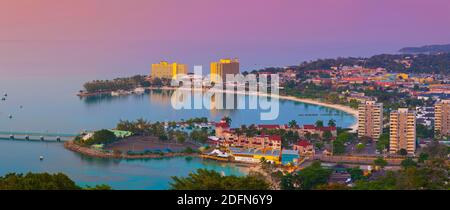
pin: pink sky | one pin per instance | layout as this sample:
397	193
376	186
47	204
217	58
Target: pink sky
116	35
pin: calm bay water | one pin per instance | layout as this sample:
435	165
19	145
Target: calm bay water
50	105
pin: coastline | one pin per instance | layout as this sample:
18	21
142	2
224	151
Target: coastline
339	107
70	145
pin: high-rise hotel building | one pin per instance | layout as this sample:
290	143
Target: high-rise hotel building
442	118
220	69
403	131
168	70
370	119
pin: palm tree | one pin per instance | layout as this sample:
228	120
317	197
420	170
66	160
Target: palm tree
332	123
319	123
227	120
292	124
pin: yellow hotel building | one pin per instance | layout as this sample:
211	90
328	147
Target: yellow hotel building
166	70
403	131
442	118
220	69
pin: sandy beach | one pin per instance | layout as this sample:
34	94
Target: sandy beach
339	107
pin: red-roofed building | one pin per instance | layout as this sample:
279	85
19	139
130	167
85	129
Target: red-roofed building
354	80
385	84
312	129
220	128
304	148
269	127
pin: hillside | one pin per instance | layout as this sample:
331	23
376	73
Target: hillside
412	63
428	49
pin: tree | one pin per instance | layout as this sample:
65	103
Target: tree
383	142
327	135
423	157
436	150
403	152
354	103
408	162
313	176
181	138
338	147
293	124
360	147
356	173
344	136
423	131
101	137
380	162
42	181
204	179
332	123
227	120
199	136
157	82
319	123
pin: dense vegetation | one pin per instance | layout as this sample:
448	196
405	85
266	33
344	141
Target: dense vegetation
432	175
427	49
420	63
423	63
100	137
127	83
204	179
42	181
307	179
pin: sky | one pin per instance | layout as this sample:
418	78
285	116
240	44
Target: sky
109	38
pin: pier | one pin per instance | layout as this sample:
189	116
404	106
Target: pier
36	136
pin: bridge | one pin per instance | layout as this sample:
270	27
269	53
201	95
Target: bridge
36	136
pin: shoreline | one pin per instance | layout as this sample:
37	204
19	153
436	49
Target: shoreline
339	107
70	145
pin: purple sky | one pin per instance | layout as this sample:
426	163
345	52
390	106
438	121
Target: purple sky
115	37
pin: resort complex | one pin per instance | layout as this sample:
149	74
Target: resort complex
168	70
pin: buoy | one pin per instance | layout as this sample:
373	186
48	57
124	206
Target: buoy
11	136
10	116
58	138
41	157
42	138
27	137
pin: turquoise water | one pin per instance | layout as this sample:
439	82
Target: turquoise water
42	104
120	174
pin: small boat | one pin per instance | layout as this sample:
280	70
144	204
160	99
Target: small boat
42	138
10	116
3	99
41	157
27	137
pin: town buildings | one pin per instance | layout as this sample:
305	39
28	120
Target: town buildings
402	131
223	67
166	70
370	120
442	118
